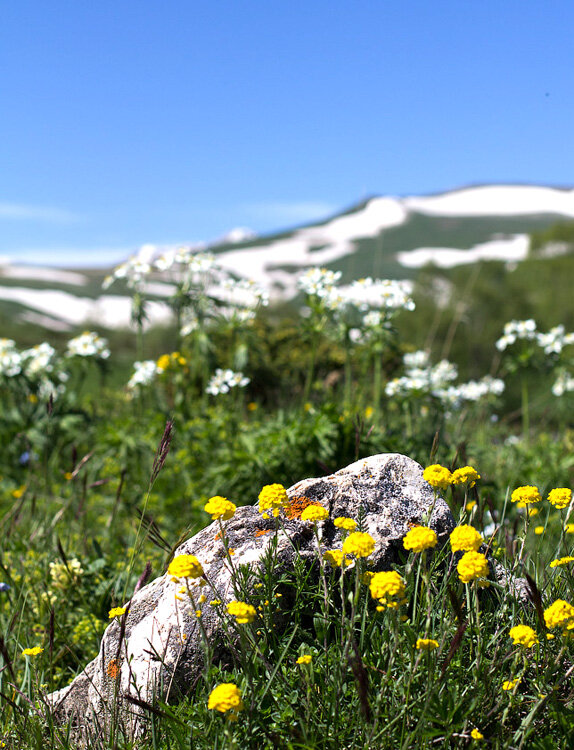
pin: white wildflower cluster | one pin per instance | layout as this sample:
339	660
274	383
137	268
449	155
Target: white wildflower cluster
515	330
422	378
222	381
551	342
380	294
318	282
10	359
564	384
38	361
88	344
555	340
134	270
241	299
474	390
144	374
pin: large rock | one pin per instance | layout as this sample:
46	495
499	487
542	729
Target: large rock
157	651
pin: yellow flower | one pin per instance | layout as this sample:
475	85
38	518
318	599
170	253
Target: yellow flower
305	659
470	505
225	697
527	494
164	362
538	530
369	411
315	513
560	497
510	684
116	612
562	561
32	651
569	528
420	538
220	507
272	497
426	644
476	735
335	558
388	587
17	493
347	524
437	476
532	511
465	475
185	566
68	475
472	565
359	544
243	613
465	538
523	635
560	614
252	406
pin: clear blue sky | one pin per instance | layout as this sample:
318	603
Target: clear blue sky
129	122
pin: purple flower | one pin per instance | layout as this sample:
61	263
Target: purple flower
4	586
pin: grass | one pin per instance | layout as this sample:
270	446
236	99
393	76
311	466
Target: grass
85	506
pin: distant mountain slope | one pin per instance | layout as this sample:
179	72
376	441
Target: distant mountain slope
383	236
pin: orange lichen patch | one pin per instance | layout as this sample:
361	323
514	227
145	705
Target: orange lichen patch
260	532
297	505
113	669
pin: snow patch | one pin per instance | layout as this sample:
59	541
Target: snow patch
110	311
511	249
496	200
36	273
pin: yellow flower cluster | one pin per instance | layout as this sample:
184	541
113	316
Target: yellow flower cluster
420	538
220	507
243	613
527	494
560	614
510	684
472	565
562	561
560	498
359	544
389	588
64	575
347	524
32	651
437	476
116	612
476	735
315	513
426	644
465	538
272	497
225	697
523	635
170	360
185	566
305	659
465	475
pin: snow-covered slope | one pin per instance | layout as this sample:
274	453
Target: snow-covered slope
383	236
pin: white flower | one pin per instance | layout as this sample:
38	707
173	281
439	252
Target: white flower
144	373
88	344
316	282
564	384
38	360
10	359
223	380
416	359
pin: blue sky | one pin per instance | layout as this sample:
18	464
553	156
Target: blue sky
124	122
